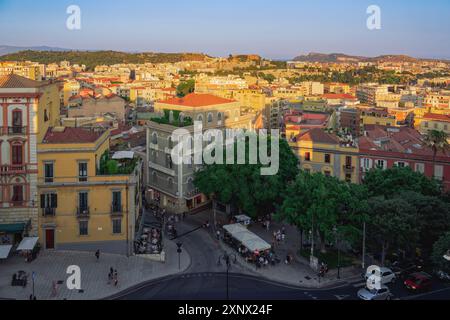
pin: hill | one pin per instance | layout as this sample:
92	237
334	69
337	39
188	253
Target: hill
95	58
13	49
341	58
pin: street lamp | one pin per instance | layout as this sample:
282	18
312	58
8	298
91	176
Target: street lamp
227	259
336	234
179	251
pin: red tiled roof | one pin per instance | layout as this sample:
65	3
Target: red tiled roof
197	100
339	96
318	135
71	135
15	81
438	117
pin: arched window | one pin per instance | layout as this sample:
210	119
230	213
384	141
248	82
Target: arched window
155	138
154	177
170	183
200	118
170	143
17	121
16	153
210	118
219	116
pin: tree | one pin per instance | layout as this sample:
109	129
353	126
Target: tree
244	187
437	141
321	203
392	223
389	183
185	87
440	249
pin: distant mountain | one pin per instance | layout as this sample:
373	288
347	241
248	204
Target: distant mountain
4	50
341	58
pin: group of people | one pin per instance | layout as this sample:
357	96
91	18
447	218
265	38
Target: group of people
150	242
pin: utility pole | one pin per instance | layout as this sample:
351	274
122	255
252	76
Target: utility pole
364	247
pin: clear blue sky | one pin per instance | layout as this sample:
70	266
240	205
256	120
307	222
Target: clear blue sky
274	29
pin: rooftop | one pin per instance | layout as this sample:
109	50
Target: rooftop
14	81
61	135
197	100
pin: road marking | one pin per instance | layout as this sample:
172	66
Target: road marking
342	297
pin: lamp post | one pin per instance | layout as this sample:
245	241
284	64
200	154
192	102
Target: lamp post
336	234
227	259
179	251
364	247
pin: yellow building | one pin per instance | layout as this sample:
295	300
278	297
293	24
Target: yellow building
87	202
326	153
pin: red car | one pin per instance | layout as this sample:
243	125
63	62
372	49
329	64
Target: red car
418	282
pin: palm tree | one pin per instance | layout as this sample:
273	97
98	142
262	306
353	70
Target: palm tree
437	141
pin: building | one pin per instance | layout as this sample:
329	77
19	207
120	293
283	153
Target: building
97	106
323	152
297	122
172	186
87	201
385	148
349	119
27	69
28	108
371	93
432	121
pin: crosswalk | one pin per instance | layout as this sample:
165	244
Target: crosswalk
356	282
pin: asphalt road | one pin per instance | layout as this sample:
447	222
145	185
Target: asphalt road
212	286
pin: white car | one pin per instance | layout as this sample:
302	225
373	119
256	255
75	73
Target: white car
382	293
385	274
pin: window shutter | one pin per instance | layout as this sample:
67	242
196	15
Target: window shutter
54	201
42	201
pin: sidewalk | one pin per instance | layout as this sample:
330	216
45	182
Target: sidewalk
52	265
298	273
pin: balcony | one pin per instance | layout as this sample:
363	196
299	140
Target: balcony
349	169
83	212
48	212
117	210
13	169
16	130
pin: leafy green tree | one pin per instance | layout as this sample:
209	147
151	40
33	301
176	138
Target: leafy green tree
440	249
392	223
243	185
391	182
185	87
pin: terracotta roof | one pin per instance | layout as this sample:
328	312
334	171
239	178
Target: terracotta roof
318	135
16	81
435	116
339	96
197	100
71	135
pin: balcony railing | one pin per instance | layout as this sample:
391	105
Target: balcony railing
83	212
13	169
16	130
349	168
117	209
48	212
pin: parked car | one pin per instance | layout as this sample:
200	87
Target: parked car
375	294
387	276
405	268
442	275
419	282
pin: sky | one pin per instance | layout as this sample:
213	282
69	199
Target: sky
276	29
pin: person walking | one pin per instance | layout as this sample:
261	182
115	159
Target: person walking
116	278
97	255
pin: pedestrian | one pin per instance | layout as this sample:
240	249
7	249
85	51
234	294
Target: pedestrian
116	278
97	255
218	235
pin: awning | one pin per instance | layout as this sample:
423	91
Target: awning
4	251
27	244
120	155
247	238
12	227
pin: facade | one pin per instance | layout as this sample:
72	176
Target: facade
173	185
387	147
83	205
431	121
350	119
319	151
28	108
99	106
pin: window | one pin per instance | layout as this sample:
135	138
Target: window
117	226
17	154
307	156
348	162
439	172
200	118
117	201
420	167
210	118
327	158
48	172
401	164
82	171
83	201
381	164
154	138
348	177
366	164
170	183
425	124
169	162
49	202
170	143
84	228
17	197
327	173
219	117
154	177
17	121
